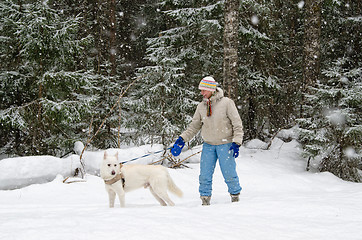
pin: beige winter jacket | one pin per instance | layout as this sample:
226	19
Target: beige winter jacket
223	126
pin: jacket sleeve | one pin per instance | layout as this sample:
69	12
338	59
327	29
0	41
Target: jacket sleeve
194	126
236	123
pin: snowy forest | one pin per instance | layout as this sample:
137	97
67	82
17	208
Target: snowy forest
126	73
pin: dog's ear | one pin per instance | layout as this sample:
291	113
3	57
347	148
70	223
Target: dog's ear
105	154
116	155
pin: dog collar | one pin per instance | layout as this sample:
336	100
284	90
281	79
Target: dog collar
115	179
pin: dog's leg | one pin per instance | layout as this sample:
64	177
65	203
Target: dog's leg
118	189
166	198
121	199
161	192
120	192
157	197
112	197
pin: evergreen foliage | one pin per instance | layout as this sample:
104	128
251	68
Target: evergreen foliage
332	136
331	132
44	94
270	66
179	56
59	80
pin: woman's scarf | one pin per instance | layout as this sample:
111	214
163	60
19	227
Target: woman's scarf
208	104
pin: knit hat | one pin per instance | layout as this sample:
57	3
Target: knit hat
208	83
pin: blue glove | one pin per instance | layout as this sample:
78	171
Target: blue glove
178	146
235	148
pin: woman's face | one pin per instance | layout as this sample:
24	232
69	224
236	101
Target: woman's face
206	94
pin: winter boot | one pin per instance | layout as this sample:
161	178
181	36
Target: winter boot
205	200
235	197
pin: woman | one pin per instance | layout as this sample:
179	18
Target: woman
222	131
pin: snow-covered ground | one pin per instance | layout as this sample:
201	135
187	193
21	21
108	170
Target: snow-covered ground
280	200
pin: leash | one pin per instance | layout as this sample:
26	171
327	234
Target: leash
169	157
133	159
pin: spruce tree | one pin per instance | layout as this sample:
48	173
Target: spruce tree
270	65
44	96
331	134
188	48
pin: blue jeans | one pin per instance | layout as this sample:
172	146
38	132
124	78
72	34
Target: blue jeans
210	154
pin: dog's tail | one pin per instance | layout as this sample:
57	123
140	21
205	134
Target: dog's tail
173	188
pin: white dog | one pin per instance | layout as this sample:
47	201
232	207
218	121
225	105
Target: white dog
120	178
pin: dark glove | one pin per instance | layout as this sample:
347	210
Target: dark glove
235	148
177	147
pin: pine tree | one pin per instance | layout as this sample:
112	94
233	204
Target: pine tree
187	49
109	58
44	95
270	65
331	134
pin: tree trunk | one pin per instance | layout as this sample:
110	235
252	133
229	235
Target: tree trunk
312	46
230	69
112	40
